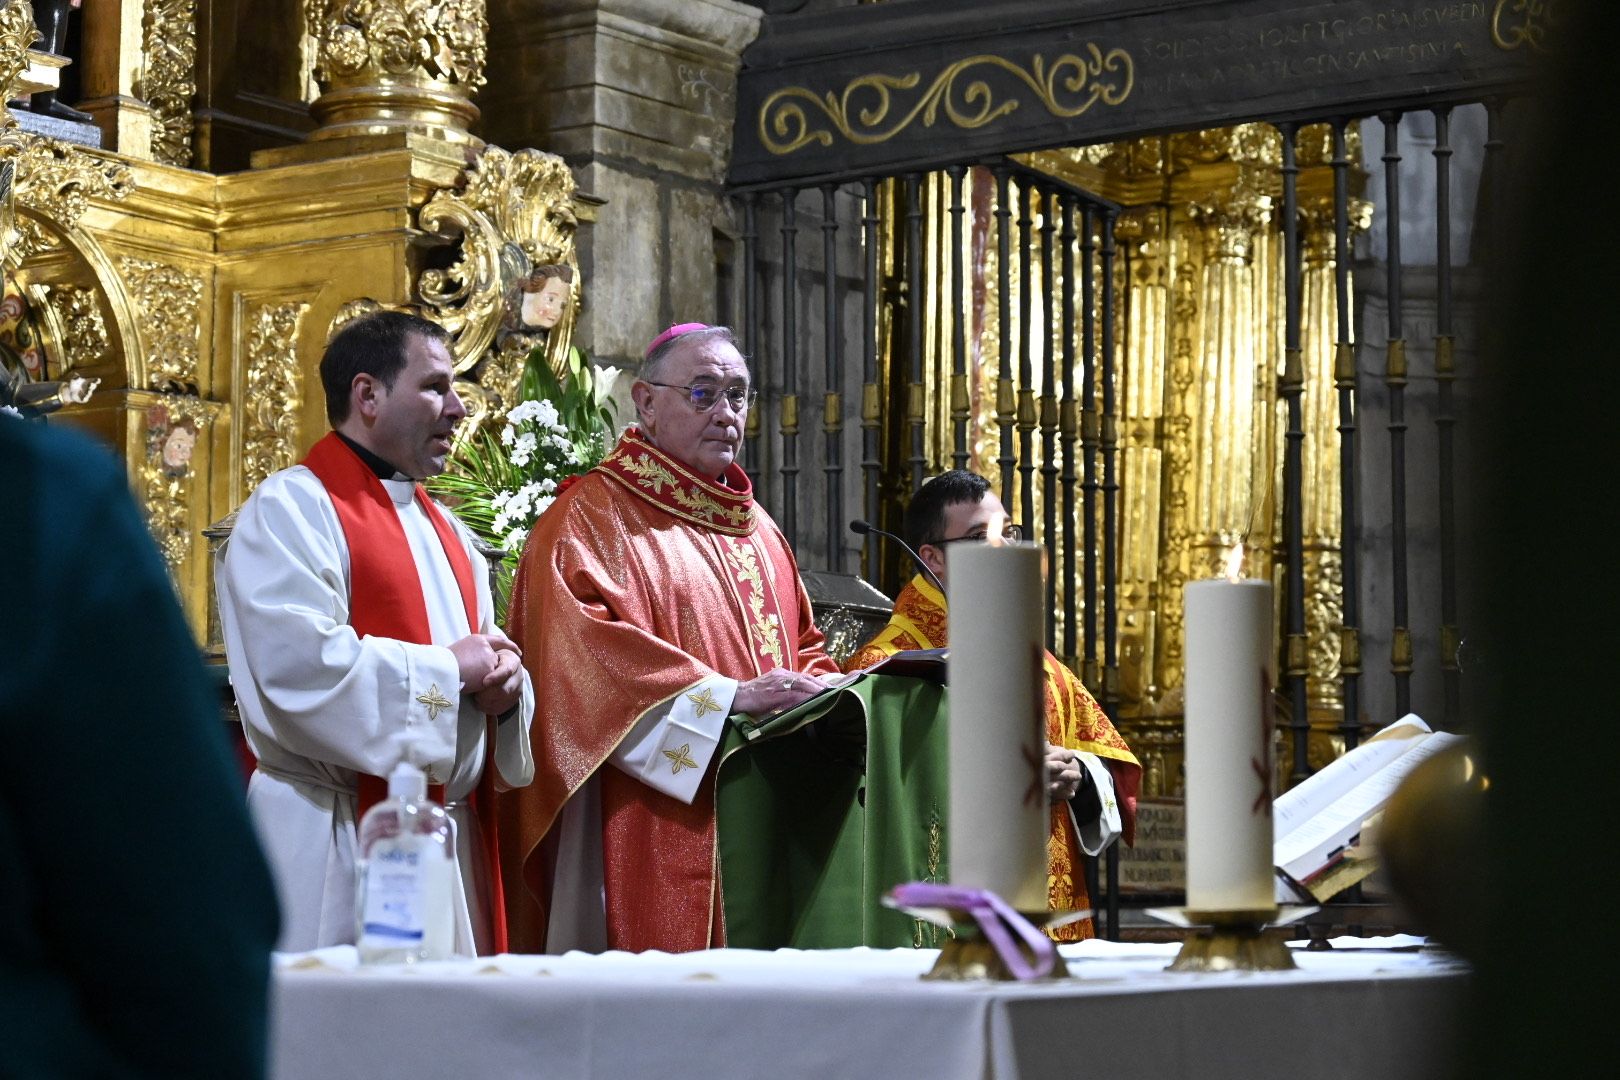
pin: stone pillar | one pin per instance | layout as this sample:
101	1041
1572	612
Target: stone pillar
639	97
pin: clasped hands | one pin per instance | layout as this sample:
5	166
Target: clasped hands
1062	774
491	670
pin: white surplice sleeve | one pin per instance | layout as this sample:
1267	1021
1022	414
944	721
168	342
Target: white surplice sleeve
314	695
514	753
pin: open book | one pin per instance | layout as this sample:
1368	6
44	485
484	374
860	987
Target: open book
1317	822
926	664
914	663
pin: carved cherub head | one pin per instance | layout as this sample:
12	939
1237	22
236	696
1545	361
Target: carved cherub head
542	297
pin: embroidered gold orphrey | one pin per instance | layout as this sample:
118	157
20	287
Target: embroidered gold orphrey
633	462
758	600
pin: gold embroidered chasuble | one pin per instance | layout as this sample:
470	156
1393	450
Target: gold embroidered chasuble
640	582
1073	720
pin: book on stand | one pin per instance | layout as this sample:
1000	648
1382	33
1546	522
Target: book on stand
1317	825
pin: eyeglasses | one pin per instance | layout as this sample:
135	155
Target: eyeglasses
1010	533
705	396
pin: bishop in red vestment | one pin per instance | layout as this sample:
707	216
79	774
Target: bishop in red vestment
654	599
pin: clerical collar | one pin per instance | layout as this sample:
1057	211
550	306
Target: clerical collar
380	467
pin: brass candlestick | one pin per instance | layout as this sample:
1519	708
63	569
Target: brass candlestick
968	954
1233	940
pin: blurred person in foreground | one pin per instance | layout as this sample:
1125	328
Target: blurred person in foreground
136	910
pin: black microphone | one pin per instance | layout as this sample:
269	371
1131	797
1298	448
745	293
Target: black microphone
861	528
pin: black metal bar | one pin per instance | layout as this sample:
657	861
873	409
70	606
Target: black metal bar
871	402
1292	390
1056	184
1090	436
1400	652
1049	413
789	417
1445	420
832	421
750	327
1026	391
1344	380
915	414
1110	562
1496	177
1004	384
961	403
1110	479
1069	429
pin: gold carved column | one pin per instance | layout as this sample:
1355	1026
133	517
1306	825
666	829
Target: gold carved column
1200	353
388	66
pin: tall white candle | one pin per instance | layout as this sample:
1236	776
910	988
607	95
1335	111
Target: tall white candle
1230	664
999	812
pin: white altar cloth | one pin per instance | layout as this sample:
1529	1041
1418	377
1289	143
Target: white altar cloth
1371	1008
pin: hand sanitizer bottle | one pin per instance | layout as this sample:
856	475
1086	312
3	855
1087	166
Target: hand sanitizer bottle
403	908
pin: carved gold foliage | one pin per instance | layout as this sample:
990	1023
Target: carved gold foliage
864	112
1324	614
17	34
1524	22
444	40
513	211
1177	505
1245	144
169	302
502	374
272	390
466	297
80	329
1129	159
1234	222
528	196
56	181
169	80
164	480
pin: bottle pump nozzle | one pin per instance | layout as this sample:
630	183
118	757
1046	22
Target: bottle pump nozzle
408	780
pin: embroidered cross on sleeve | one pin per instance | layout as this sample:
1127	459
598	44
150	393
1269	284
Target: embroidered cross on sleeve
435	700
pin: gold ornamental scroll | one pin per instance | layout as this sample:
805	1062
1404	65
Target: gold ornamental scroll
387	66
511	218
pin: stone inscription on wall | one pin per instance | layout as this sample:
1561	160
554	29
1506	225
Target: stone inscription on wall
1158	862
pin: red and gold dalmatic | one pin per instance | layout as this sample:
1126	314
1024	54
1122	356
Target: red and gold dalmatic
641	581
1073	720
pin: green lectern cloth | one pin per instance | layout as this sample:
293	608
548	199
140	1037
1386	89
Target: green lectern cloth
809	842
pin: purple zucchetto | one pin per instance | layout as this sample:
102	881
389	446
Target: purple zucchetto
674	332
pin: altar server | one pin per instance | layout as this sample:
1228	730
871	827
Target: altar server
355	608
1092	776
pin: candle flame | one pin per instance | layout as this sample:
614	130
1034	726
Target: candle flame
1232	565
994	528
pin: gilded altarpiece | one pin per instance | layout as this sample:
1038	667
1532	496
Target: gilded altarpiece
202	302
1198	424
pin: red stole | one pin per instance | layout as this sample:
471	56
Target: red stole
386	600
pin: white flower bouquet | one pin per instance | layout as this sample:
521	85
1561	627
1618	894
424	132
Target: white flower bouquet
499	484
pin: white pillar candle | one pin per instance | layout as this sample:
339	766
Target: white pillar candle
999	812
1230	660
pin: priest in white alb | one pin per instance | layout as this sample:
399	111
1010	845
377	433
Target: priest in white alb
354	609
